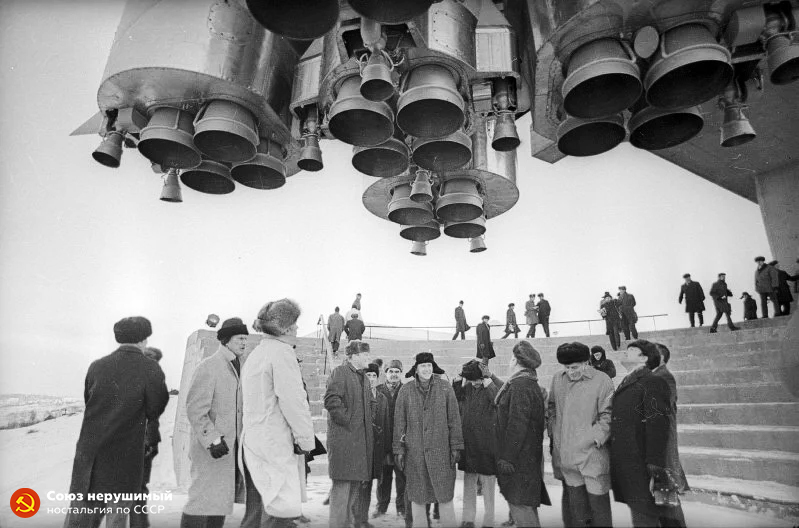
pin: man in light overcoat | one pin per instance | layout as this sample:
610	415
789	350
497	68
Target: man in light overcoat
214	407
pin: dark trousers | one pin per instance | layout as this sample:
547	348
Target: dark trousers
580	508
138	519
719	314
335	345
201	521
785	308
254	514
643	520
531	331
545	324
691	318
764	297
384	489
613	335
628	327
515	334
461	332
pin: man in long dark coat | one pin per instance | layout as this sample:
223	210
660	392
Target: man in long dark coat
485	348
694	299
609	309
750	307
461	326
350	439
544	310
767	283
510	323
521	424
391	389
123	390
784	297
673	458
639	430
354	328
475	389
628	315
382	446
719	292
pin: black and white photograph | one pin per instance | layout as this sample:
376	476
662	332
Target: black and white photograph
399	263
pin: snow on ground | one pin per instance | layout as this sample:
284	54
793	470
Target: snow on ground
40	457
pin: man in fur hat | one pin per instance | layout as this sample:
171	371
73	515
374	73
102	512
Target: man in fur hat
475	390
428	440
214	407
391	389
350	438
579	420
123	390
521	422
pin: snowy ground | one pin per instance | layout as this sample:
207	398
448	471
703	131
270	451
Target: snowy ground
40	457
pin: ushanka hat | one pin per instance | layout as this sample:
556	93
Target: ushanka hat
231	327
132	330
394	363
471	371
526	355
569	353
373	367
424	357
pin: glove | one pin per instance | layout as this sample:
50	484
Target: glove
658	474
150	451
219	450
505	468
455	458
484	370
399	461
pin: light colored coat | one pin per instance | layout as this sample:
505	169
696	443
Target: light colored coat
427	428
214	409
276	416
579	414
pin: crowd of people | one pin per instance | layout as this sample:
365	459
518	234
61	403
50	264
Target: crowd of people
770	284
252	435
493	430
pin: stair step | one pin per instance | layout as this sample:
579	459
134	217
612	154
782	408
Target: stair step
767	360
780	413
766	437
738	375
749	464
760	392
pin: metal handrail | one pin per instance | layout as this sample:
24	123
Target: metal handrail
452	327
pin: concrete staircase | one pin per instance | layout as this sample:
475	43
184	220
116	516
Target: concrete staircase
738	424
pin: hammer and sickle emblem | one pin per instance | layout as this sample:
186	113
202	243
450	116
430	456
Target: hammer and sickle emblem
29	507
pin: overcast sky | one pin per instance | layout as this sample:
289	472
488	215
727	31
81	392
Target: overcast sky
82	245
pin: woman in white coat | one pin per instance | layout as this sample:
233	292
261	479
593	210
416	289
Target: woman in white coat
276	416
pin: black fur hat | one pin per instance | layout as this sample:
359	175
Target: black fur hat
424	357
569	353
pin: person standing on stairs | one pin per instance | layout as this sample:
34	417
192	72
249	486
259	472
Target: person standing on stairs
544	309
461	326
719	292
750	307
531	315
628	315
335	327
485	348
694	299
510	323
767	282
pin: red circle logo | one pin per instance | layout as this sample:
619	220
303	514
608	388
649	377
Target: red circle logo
25	503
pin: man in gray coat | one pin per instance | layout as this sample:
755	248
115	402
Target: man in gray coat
350	439
767	282
214	409
335	327
579	413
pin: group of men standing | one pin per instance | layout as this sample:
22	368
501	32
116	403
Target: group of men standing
493	431
535	313
771	283
619	315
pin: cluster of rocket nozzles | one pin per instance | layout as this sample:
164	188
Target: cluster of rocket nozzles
414	86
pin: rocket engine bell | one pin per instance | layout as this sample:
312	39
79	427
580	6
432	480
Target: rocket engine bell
427	92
